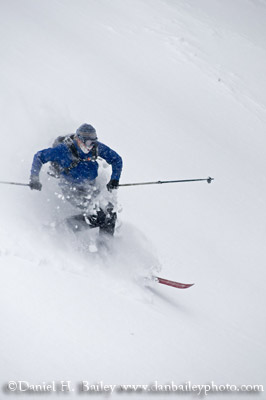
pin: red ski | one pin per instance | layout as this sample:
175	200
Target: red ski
173	283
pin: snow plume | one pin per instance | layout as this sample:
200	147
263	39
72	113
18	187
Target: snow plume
128	258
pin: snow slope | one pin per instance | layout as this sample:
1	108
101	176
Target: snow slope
178	89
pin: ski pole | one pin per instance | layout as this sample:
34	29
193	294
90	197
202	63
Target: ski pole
15	183
209	179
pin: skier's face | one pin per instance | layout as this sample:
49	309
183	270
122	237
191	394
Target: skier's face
85	144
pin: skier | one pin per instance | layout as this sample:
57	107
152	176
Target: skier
74	161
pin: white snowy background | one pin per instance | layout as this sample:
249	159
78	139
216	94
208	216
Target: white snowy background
177	88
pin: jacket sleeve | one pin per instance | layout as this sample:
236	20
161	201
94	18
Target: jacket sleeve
42	157
112	158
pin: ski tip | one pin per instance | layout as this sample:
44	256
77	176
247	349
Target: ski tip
185	285
189	285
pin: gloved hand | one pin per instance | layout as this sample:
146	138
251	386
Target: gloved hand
113	184
35	184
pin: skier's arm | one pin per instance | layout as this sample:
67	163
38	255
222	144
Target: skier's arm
112	158
52	154
41	158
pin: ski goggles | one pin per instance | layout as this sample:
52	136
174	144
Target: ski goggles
86	141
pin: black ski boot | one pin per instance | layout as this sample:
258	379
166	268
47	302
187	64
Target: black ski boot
104	220
107	222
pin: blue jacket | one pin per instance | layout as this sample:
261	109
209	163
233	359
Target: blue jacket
85	170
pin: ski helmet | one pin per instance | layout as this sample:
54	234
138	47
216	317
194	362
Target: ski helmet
87	131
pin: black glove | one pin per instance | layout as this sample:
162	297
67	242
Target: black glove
113	184
35	184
